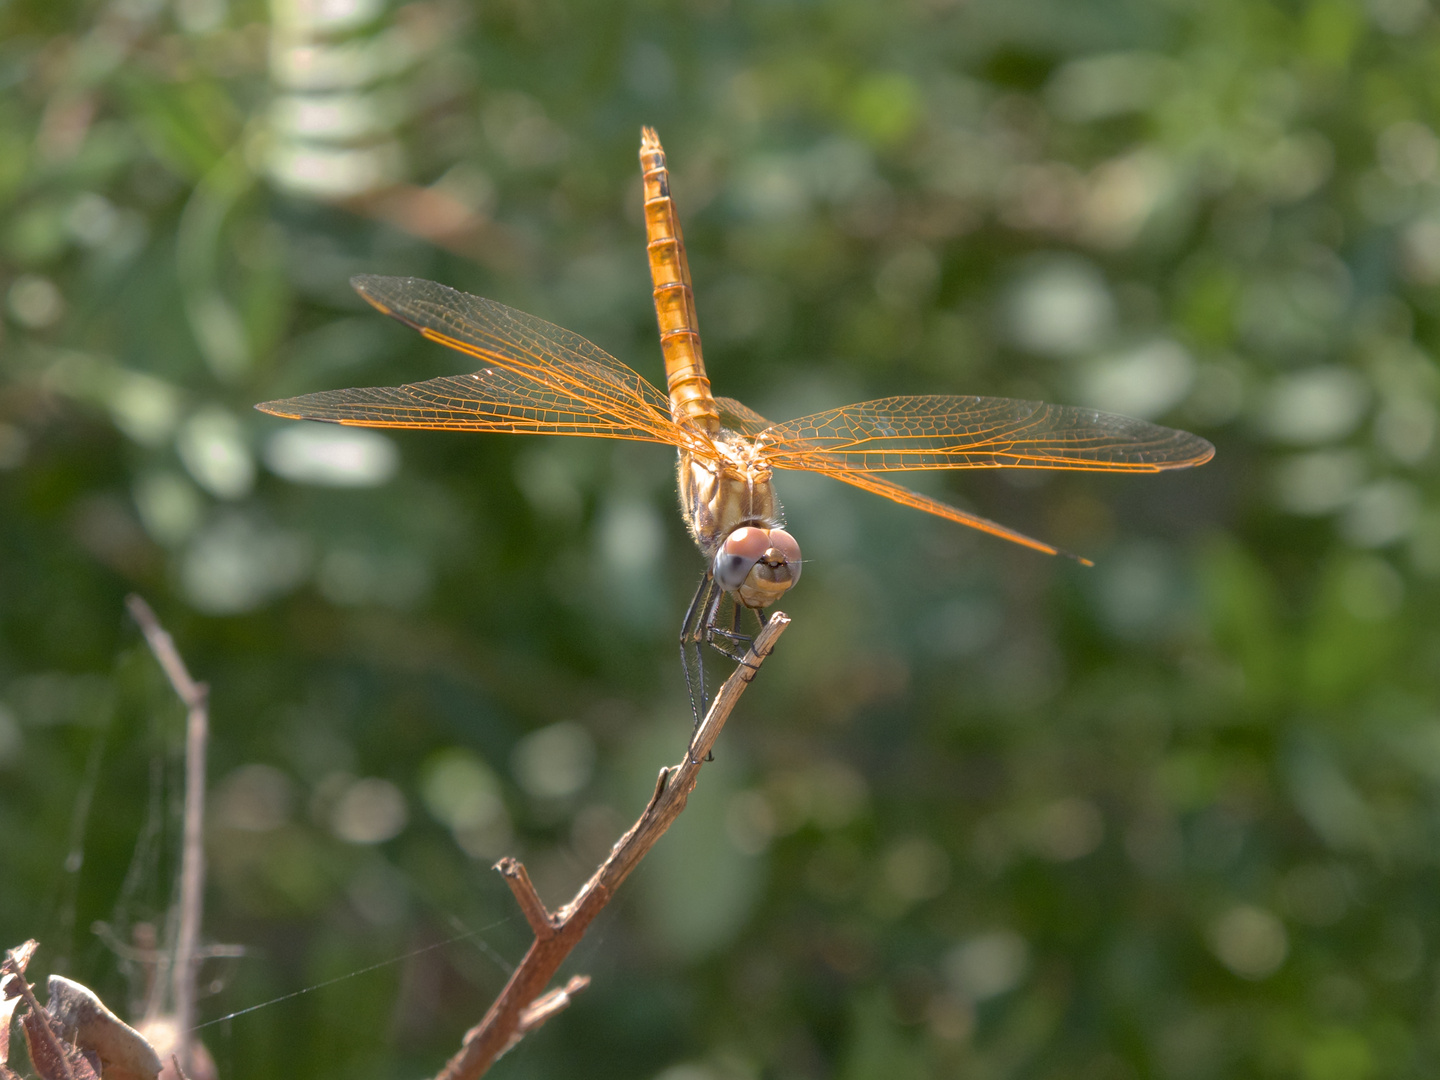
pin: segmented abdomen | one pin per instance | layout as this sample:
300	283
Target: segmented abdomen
690	398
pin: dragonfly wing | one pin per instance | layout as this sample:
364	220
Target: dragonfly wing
538	377
945	432
903	495
489	400
741	418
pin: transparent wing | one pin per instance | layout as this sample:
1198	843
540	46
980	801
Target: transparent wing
738	417
741	418
539	378
944	432
905	497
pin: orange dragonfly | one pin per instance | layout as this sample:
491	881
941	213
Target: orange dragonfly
540	379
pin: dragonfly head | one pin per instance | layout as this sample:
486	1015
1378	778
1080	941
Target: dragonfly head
757	565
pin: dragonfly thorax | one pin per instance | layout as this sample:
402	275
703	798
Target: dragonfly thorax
724	490
728	499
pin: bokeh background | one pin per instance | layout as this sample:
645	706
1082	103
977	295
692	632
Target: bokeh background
985	813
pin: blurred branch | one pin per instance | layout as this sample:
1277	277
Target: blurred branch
195	697
521	1006
434	215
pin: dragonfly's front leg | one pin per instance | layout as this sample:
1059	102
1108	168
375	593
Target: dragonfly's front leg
734	645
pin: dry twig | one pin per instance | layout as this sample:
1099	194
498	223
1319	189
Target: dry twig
521	1006
195	696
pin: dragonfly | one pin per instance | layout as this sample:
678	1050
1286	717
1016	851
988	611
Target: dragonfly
537	378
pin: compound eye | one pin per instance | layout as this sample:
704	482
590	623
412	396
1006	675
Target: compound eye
741	550
786	545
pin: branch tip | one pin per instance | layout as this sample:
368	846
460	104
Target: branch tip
190	692
661	783
546	1006
536	914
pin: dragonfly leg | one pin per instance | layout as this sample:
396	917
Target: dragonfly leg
733	645
729	642
694	635
700	628
692	659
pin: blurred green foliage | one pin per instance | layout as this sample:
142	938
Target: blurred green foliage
986	813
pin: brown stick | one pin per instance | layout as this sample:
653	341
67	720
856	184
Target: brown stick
195	697
521	1007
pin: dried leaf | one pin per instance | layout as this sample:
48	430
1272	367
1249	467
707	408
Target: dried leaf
123	1052
85	1065
49	1063
7	1013
20	955
11	990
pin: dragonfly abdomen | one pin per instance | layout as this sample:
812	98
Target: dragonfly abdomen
690	397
